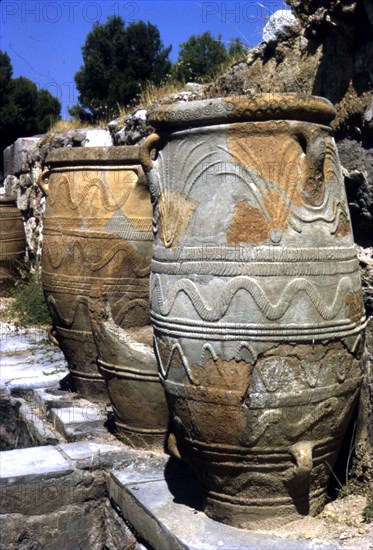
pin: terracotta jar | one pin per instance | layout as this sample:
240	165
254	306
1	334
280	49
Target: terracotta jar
12	242
127	362
97	232
256	298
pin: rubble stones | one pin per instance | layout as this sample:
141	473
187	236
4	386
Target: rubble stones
358	163
280	26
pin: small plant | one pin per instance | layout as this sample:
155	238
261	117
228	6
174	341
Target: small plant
347	487
367	512
28	306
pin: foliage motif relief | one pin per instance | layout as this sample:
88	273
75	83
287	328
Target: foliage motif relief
296	186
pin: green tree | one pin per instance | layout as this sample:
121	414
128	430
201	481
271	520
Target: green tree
48	110
24	110
200	57
118	60
6	72
7	106
24	96
237	49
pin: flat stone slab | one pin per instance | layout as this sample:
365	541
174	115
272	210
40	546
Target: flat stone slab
47	359
53	397
34	380
17	155
29	369
164	506
23	465
78	414
79	421
37	426
28	360
82	450
13	339
92	455
143	470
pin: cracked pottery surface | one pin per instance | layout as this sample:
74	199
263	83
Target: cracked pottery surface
97	238
256	299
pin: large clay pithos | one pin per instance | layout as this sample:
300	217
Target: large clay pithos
256	298
97	231
12	242
127	362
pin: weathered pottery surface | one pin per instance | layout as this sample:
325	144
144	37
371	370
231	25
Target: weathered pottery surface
97	230
12	241
127	362
256	299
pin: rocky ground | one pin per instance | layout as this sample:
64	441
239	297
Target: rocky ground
341	523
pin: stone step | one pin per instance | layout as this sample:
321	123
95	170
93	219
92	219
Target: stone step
163	503
79	422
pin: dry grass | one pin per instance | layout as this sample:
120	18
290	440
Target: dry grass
62	126
151	94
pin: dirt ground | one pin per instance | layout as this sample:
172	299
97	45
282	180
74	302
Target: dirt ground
340	523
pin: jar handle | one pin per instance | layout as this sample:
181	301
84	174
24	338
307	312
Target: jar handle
141	177
145	149
302	452
41	182
52	337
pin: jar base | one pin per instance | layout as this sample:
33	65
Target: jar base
262	515
141	439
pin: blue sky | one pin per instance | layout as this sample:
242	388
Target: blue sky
44	38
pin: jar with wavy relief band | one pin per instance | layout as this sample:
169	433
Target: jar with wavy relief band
97	231
256	298
12	242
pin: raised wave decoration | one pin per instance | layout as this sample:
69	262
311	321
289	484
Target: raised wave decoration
135	259
74	202
272	311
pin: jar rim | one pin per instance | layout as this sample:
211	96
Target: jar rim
104	155
243	108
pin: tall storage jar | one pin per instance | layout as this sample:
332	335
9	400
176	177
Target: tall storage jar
256	298
12	242
97	236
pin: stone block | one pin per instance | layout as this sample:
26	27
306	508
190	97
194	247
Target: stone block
33	463
33	422
24	385
167	514
11	184
280	26
53	397
80	527
40	496
98	138
20	155
89	454
79	421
